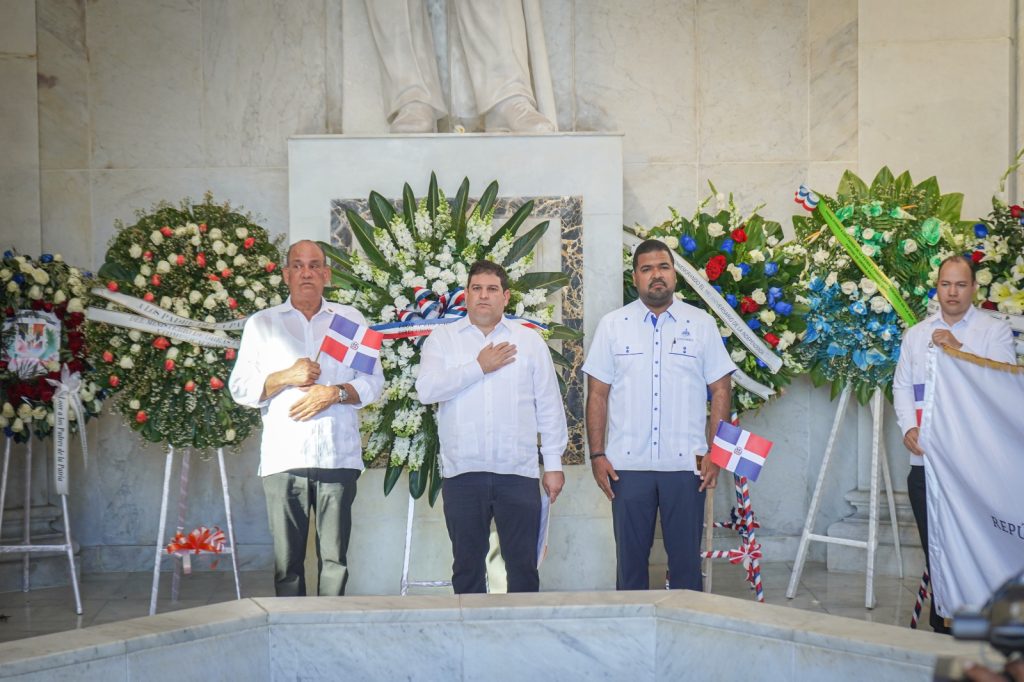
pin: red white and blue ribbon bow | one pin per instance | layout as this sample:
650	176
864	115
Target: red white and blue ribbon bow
429	310
806	198
745	555
200	540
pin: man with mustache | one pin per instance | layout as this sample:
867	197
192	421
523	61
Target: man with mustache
958	325
650	368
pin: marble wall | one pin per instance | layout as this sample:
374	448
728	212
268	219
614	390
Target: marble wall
111	105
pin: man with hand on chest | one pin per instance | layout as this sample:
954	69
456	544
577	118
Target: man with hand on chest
311	451
650	368
496	390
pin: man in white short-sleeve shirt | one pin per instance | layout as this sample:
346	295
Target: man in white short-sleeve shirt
650	368
959	325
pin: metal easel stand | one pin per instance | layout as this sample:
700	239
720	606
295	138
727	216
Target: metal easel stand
406	583
182	500
27	548
879	461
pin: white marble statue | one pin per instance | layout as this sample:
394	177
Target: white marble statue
492	35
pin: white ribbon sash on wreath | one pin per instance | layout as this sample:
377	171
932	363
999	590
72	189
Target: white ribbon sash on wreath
155	312
721	308
971	432
143	324
66	396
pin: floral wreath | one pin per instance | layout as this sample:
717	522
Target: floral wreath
42	343
412	268
853	333
747	263
201	269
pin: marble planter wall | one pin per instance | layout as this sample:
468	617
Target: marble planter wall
111	105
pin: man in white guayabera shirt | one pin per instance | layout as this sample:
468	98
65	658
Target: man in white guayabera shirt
650	368
496	388
311	453
959	325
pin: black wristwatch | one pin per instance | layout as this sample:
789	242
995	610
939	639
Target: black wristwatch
597	454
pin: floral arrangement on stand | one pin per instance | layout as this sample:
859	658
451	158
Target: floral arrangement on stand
192	273
998	252
853	331
413	266
48	289
747	263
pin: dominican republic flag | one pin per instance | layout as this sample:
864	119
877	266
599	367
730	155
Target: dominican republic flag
739	451
919	401
352	344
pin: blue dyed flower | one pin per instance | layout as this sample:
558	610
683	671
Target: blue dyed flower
771	268
745	269
858	308
19	278
980	231
774	293
874	326
716	288
689	243
46	258
8	254
783	308
759	363
816	284
931	293
754	323
811	335
875	357
731	300
727	245
860	359
834	350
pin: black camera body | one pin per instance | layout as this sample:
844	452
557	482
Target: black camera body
1000	622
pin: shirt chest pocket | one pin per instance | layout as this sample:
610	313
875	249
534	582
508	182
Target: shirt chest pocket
685	348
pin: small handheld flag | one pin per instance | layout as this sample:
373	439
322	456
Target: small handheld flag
739	451
352	344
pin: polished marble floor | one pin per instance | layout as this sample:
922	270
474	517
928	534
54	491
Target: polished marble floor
108	597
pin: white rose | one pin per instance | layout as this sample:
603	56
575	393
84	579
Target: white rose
274	280
215	234
209	357
6	274
758	296
868	286
126	362
59	297
821	256
239	281
40	276
166	302
134	404
156	237
194	296
755	256
232	249
218	247
75	306
163	267
210	318
12	287
880	305
24	412
248	294
146	270
195	241
210	303
139	281
275	299
189	362
35	292
39	413
831	279
240	260
715	230
724	332
738	355
222	265
767	316
848	287
135	348
984	276
670	242
134	335
260	303
8	410
241	232
172	353
229	435
909	246
17	425
736	273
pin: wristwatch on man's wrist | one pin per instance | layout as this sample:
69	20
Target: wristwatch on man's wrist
342	394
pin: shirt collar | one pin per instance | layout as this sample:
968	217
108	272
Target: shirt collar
673	311
464	324
289	307
965	321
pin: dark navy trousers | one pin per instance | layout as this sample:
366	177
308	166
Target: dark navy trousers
639	496
471	500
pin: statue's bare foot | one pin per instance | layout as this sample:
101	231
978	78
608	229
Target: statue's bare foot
414	117
516	115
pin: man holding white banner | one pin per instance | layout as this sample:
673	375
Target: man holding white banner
311	452
957	325
650	368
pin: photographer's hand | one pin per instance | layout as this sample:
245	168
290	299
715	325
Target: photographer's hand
978	673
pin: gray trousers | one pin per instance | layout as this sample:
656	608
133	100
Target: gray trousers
290	497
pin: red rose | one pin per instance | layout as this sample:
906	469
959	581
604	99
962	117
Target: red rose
114	381
772	339
166	231
270	266
180	260
37	305
48	307
201	259
977	256
229	353
148	297
202	227
739	235
748	305
213	278
148	256
108	356
232	303
249	242
141	417
216	384
46	394
75	319
9	311
169	365
161	343
190	386
75	365
225	273
75	341
112	286
989	305
1016	211
715	267
155	280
